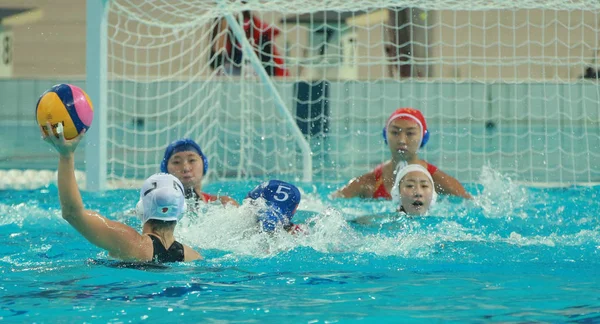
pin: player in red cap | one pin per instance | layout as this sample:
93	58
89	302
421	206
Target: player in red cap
404	133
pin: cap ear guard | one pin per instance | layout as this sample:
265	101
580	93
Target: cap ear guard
139	210
173	148
424	140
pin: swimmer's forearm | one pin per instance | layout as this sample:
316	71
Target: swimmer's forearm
70	197
344	193
350	191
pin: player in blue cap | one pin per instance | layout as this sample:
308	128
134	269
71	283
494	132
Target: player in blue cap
282	199
184	159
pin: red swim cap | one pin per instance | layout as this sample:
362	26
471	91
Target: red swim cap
409	114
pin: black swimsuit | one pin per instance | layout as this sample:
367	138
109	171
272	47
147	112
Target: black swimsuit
162	255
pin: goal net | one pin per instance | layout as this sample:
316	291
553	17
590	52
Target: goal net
304	93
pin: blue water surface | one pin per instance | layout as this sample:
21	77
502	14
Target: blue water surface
514	254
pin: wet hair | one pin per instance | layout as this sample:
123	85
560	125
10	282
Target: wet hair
156	224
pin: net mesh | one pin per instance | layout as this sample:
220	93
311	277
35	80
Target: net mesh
510	86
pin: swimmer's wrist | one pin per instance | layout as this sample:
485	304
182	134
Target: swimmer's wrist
66	155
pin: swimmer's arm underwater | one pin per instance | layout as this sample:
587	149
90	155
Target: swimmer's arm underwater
117	238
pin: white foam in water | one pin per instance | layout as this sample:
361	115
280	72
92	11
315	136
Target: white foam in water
33	179
233	229
26	213
330	232
311	201
500	196
220	227
574	239
236	232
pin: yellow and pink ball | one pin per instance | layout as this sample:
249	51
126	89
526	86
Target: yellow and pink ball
66	104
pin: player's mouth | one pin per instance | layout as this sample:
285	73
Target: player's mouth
418	204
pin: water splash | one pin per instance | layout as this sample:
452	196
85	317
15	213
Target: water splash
457	230
501	197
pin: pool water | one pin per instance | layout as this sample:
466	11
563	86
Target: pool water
514	254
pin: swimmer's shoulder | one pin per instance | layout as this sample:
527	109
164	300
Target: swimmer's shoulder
141	251
190	254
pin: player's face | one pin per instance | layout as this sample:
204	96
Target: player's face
416	192
403	136
188	167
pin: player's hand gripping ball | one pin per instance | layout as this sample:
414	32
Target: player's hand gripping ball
68	105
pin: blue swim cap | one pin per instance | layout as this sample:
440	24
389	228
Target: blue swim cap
182	145
281	197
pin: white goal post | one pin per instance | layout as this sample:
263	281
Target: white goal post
300	89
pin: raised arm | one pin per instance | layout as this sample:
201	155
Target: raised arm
446	184
362	187
118	239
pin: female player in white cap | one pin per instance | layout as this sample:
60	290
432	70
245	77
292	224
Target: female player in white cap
404	133
413	190
161	205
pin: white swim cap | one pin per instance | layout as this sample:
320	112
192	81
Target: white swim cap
161	198
403	169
